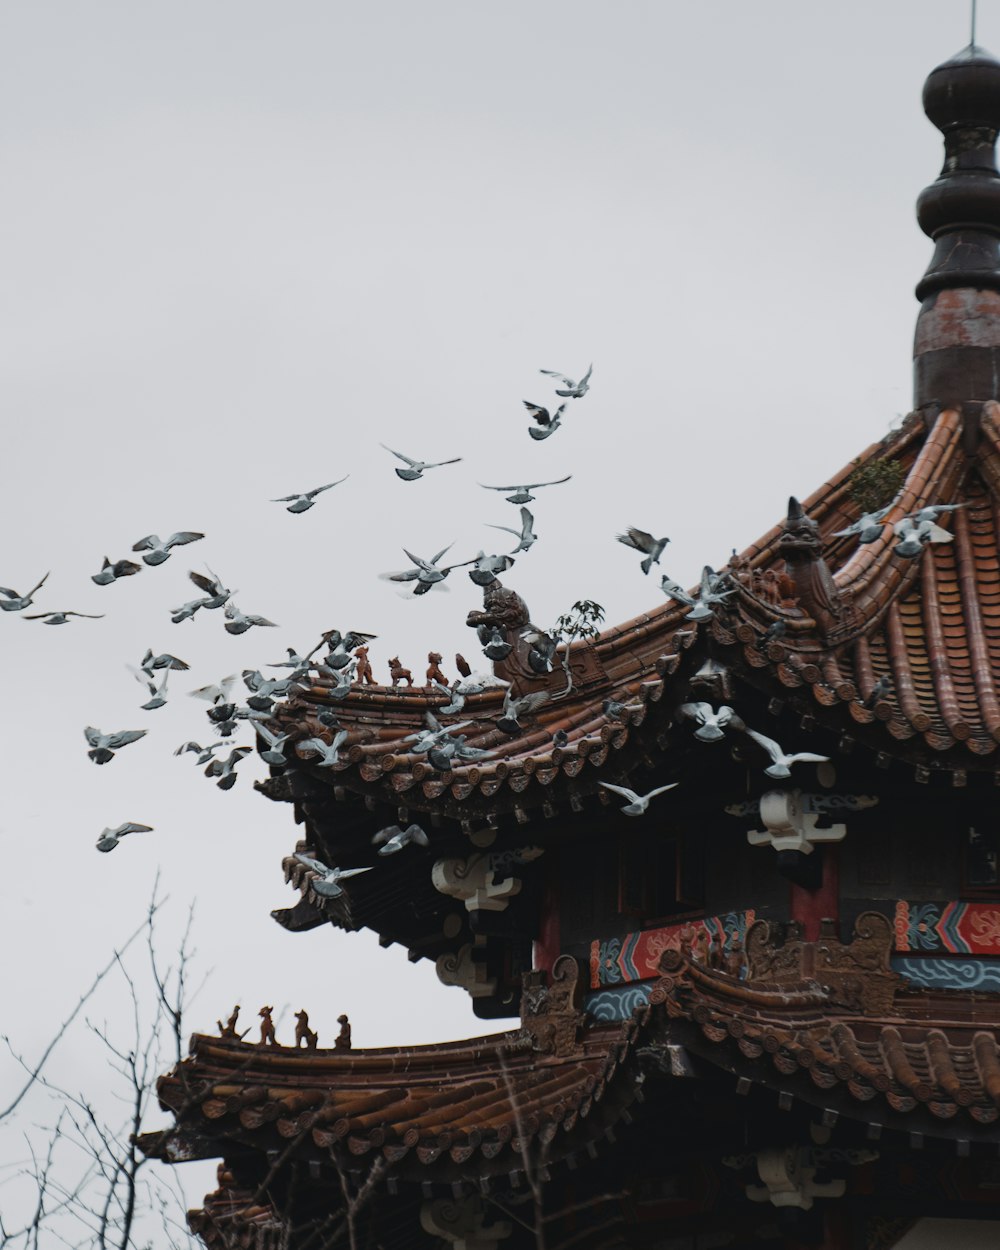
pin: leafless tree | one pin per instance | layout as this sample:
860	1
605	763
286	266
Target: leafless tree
82	1181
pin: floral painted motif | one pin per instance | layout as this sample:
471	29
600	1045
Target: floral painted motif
956	928
636	957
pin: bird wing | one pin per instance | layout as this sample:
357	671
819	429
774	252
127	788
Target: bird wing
210	585
311	494
807	757
262	731
419	561
624	791
149	543
438	463
315	864
639	539
849	531
434	559
506	528
586	377
485	487
696	711
181	537
540	414
769	744
92	616
189	746
352	872
535	485
286	498
33	589
383	835
661	790
131	827
37	616
410	575
92	735
122	739
399	455
527	520
416	834
554	373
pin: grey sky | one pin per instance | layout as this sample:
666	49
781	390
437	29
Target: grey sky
248	242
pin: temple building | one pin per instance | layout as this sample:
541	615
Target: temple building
764	1011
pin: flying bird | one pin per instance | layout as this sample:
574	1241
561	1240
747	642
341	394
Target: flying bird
487	567
112	572
327	883
103	746
216	694
711	723
150	662
265	689
224	771
495	645
427	572
204	753
637	803
709	597
569	388
238	622
303	502
13	602
522	494
274	753
548	422
157	694
781	765
868	526
515	708
340	679
526	537
329	752
639	540
155	551
417	468
217	594
61	618
393	838
109	839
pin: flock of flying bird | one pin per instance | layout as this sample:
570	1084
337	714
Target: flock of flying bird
442	745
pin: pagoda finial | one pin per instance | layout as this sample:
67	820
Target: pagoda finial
957	347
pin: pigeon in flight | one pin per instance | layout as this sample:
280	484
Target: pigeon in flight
109	839
303	502
447	749
704	603
112	572
526	537
641	541
341	680
13	602
155	551
274	753
327	883
157	694
781	765
150	662
224	771
569	388
204	753
299	664
487	567
61	618
340	646
711	723
637	803
514	709
216	694
265	689
427	573
103	746
522	494
238	622
217	594
329	752
393	838
416	468
187	610
868	526
918	530
548	422
424	739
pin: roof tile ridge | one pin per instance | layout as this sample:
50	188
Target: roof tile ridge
902	674
657	622
944	439
978	647
937	648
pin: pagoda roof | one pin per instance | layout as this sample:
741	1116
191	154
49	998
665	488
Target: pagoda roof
851	614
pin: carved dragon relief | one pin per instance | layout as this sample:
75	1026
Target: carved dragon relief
818	595
550	1012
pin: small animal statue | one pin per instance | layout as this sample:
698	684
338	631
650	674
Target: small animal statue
343	1041
734	962
363	673
701	948
398	673
229	1028
433	669
303	1033
267	1037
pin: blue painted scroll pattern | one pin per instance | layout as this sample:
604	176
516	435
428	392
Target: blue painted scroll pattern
606	1006
951	973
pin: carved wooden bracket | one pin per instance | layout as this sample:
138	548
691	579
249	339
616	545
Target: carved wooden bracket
483	881
789	826
461	969
463	1223
550	1013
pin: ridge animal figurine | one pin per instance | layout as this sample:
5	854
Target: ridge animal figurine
433	670
363	673
398	673
229	1028
267	1036
303	1033
343	1041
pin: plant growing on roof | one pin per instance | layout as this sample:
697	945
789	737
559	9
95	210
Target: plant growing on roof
874	484
583	620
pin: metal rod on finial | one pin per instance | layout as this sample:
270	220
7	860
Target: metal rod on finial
972	36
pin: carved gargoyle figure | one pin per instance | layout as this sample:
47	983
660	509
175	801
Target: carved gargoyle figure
802	548
506	612
398	673
229	1028
267	1037
550	1014
304	1035
343	1041
434	669
363	673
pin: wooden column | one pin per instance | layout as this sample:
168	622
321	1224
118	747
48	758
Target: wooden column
809	907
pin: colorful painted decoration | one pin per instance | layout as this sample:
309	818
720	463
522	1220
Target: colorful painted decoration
636	957
958	928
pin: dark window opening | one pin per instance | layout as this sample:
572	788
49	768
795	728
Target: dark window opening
660	877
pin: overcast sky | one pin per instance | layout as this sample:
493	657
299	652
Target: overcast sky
247	242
